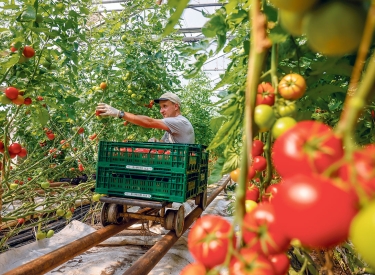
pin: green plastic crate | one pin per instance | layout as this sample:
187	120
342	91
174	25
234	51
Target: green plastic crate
150	156
166	186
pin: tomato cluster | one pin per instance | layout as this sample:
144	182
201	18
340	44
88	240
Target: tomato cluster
14	149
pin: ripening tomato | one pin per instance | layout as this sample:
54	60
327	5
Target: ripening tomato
11	92
257	148
261	230
308	147
22	153
251	264
28	51
362	234
209	240
314	200
235	175
264	117
259	163
27	101
194	269
103	85
265	94
14	148
280	263
292	86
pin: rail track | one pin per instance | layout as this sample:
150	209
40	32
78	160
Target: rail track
142	266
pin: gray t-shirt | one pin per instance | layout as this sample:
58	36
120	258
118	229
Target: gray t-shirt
181	130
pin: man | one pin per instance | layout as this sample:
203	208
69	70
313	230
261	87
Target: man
178	128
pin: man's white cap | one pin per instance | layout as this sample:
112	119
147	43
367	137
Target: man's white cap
169	96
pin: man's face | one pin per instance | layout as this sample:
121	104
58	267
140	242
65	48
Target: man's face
168	108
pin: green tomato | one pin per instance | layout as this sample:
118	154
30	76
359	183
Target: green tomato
129	86
45	185
5	100
40	235
123	38
362	235
286	110
50	233
264	117
130	92
68	214
13	186
282	125
133	95
96	197
60	212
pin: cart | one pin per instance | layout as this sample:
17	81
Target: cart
150	175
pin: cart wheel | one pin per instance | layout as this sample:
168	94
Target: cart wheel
203	199
169	218
179	221
110	214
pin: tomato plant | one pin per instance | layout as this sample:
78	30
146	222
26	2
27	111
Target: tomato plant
292	86
209	240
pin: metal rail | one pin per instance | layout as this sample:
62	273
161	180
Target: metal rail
142	266
145	264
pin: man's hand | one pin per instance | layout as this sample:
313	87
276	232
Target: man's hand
153	140
106	110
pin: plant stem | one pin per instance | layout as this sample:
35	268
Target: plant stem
259	45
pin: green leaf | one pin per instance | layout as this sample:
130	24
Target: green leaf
216	25
84	10
29	14
225	130
3	29
39	30
235	19
216	123
216	174
278	35
43	116
179	6
231	163
201	58
71	99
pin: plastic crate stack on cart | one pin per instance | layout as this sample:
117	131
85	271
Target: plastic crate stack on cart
155	171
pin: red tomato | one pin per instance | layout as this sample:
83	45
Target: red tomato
292	86
20	220
262	232
308	147
27	101
194	269
80	167
13	49
265	94
271	192
259	163
1	147
257	148
251	173
315	201
28	51
250	263
14	148
11	92
81	130
280	263
51	136
22	153
208	240
40	98
252	193
360	170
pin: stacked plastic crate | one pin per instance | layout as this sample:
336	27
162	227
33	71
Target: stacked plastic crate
170	172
